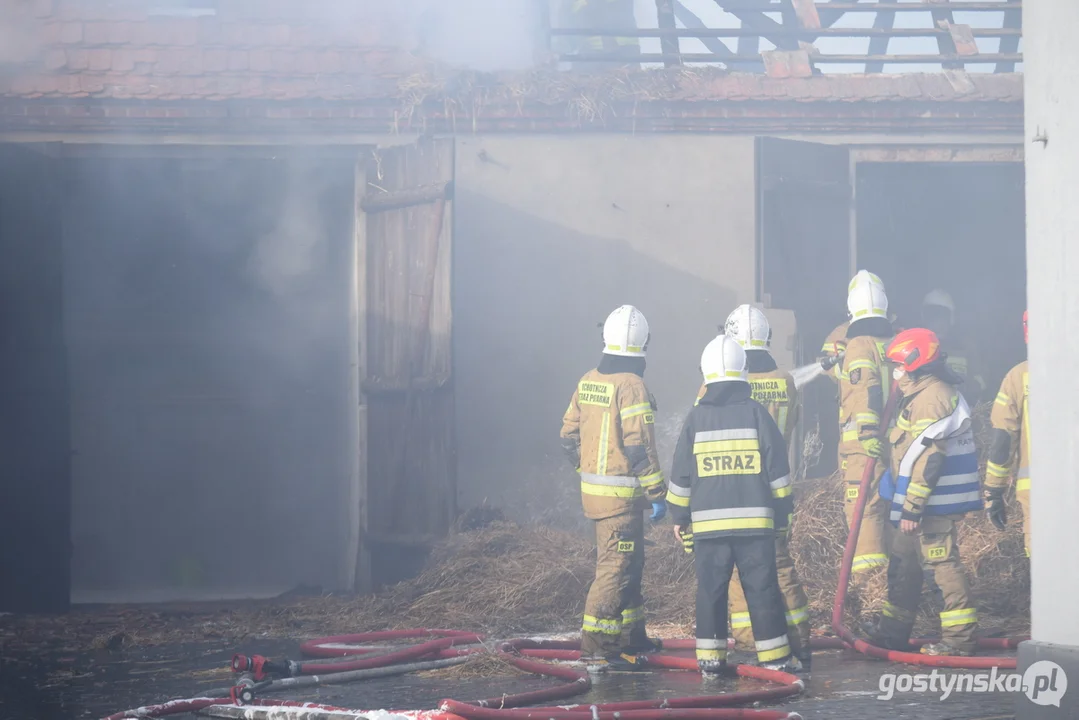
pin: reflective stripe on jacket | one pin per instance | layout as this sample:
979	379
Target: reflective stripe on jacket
935	416
612	419
1011	414
730	474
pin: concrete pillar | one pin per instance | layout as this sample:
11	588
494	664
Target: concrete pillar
1051	76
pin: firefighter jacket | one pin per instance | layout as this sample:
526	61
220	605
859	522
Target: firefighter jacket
1011	431
772	388
934	463
865	380
730	476
609	431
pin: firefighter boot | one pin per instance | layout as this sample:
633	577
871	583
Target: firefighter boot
712	669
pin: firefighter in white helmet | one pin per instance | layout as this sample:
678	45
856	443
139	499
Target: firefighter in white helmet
774	389
608	432
730	489
864	386
938	315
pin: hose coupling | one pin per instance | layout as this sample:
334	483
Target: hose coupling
242	695
260	667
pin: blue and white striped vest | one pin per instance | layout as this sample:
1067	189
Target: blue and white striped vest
959	489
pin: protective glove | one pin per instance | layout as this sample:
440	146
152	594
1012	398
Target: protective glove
686	536
872	447
659	510
997	513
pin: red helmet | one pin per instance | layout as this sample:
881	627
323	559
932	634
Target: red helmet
1026	334
914	348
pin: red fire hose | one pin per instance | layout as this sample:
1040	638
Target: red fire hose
844	578
509	707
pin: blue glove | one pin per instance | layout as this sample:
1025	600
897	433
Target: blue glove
659	511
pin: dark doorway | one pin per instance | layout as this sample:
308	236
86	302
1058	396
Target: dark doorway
35	480
957	227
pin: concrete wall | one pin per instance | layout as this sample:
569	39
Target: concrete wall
1052	110
551	234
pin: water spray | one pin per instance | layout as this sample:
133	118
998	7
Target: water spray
808	373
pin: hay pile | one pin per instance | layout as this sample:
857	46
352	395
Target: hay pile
505	579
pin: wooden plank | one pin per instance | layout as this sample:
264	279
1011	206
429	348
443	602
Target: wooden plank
358	560
669	44
419	195
1013	20
962	39
882	30
878	45
806	12
710	41
820	59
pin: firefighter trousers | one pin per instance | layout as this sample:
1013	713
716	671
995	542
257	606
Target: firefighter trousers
614	609
1022	494
794	597
755	557
933	548
872	549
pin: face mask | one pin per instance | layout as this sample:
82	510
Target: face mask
898	374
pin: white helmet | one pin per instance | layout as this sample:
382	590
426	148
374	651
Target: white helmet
940	299
625	332
749	327
865	297
723	360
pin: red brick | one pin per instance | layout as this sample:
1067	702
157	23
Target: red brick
120	33
100	59
77	59
168	62
304	36
184	31
260	60
145	55
56	110
71	33
154	32
55	59
138	84
67	84
123	60
307	63
44	8
95	33
49	33
136	111
237	60
68	10
91	84
330	62
211	32
113	111
215	60
283	61
191	61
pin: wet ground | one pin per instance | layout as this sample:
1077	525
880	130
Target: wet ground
843	686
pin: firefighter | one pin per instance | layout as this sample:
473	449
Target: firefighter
864	386
774	389
608	432
729	495
601	15
1010	440
938	315
932	482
